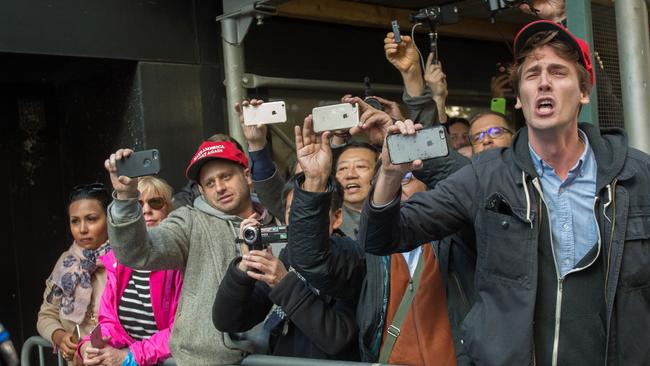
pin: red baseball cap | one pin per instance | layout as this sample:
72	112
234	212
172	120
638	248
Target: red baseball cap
563	35
210	150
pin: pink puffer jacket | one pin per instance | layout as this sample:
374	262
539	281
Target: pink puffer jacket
165	289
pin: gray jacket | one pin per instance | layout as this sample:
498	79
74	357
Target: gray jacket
199	240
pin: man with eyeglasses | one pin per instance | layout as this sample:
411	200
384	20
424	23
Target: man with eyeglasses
560	220
489	130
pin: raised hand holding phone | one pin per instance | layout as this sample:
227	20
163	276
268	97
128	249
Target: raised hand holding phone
255	134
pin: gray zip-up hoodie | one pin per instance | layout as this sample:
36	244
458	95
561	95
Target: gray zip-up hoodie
199	240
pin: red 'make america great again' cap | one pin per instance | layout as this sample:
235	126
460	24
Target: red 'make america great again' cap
214	150
563	35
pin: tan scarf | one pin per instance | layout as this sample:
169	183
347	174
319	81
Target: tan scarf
72	290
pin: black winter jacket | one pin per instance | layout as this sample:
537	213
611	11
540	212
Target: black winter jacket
499	328
351	274
317	327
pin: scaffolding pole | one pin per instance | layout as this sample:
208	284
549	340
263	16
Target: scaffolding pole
634	59
233	61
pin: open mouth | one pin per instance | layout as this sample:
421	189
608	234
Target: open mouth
545	106
352	187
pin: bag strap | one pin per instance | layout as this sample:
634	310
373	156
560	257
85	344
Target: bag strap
392	332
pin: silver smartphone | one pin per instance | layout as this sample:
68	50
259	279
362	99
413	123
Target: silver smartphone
428	143
335	117
265	113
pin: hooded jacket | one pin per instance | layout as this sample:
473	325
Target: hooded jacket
499	328
165	287
198	240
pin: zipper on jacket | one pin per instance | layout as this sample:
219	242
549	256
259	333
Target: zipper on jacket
463	297
560	281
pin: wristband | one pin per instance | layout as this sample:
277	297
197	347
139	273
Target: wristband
129	360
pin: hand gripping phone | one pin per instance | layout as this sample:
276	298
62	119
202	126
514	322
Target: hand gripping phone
335	117
427	143
140	163
265	113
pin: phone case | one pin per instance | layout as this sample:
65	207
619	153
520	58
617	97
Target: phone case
96	337
335	117
270	112
398	35
140	163
428	143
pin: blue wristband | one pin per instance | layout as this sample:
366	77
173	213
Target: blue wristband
129	360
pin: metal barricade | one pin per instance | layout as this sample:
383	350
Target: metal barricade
41	343
265	360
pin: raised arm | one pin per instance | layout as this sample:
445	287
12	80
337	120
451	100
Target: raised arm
163	247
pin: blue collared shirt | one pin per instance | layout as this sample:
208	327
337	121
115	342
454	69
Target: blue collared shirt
571	207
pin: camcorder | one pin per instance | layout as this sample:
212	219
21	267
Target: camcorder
436	15
432	17
259	238
496	5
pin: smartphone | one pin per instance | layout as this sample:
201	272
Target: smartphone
498	105
502	69
140	163
428	143
398	35
265	113
335	117
96	337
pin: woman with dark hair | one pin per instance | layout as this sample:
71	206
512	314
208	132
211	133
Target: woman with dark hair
73	290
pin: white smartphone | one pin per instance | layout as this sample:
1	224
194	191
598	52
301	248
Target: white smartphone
265	113
335	117
428	143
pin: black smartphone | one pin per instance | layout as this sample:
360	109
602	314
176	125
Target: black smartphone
502	69
140	163
428	143
398	35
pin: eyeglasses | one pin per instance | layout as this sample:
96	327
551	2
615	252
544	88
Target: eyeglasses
493	132
156	203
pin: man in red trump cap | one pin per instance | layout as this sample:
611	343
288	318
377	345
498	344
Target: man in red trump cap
561	221
199	240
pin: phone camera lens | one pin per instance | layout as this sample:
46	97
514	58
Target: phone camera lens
155	155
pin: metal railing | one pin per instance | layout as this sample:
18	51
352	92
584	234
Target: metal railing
41	343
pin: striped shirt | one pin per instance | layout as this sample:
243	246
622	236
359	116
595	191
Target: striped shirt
135	311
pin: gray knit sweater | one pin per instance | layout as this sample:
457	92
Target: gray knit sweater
201	242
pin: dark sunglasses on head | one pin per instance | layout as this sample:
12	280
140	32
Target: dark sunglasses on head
156	203
493	132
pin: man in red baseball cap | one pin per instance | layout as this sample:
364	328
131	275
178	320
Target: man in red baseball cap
199	240
561	221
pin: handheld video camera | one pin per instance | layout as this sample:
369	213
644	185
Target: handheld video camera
259	238
432	17
436	15
498	5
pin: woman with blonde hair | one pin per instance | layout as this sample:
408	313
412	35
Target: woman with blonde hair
138	307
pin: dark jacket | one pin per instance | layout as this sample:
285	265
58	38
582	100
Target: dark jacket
499	328
347	273
316	326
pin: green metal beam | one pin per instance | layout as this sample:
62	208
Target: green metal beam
579	23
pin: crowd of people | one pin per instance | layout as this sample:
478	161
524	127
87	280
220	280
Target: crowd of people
518	247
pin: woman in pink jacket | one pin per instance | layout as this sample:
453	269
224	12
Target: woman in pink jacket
137	309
